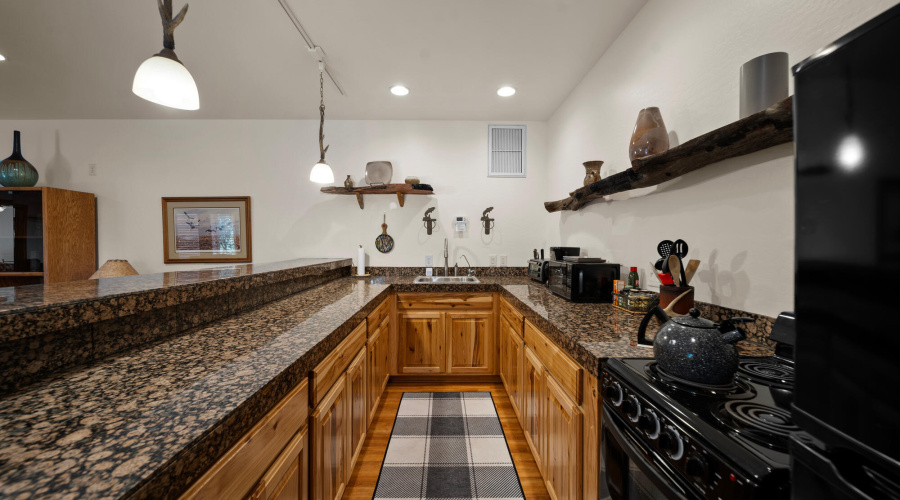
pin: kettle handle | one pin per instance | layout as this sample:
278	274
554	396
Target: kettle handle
731	323
642	330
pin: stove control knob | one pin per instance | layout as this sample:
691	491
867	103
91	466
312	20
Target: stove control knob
632	408
670	442
696	467
614	393
649	423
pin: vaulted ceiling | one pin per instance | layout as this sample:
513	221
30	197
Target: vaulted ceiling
77	58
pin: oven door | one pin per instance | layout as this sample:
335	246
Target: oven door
631	471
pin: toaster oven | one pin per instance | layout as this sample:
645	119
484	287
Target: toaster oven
537	270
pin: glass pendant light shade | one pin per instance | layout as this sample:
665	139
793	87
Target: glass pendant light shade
164	80
321	173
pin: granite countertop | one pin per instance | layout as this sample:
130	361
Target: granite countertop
149	422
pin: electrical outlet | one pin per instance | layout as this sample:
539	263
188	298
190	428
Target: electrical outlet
92	169
502	261
493	260
429	261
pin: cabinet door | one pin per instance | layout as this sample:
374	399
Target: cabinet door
421	339
470	343
378	366
288	478
356	396
561	430
331	443
532	398
514	350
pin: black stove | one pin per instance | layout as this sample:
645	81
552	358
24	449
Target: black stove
700	441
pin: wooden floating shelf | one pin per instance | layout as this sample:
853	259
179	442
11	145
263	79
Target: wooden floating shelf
770	127
401	190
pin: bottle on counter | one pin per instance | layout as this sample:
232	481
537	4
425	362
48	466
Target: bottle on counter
634	281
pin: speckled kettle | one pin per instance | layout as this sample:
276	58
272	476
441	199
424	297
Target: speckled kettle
695	349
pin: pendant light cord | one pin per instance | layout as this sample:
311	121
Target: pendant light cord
322	147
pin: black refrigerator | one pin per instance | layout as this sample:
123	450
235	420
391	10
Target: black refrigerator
847	138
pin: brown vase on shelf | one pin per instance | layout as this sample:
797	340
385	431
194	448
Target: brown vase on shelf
650	135
348	183
592	171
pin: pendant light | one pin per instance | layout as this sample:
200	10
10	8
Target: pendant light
163	79
321	173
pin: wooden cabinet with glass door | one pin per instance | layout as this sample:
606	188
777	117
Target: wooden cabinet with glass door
47	235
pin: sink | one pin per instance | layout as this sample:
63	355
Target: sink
446	279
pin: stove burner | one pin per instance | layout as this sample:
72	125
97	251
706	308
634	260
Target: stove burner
766	425
767	371
735	387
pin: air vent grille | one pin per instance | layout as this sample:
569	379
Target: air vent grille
506	144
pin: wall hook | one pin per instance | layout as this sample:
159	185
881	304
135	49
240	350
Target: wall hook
487	222
429	222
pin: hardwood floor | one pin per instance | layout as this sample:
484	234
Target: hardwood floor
365	474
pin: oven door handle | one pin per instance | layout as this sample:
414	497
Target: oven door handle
664	481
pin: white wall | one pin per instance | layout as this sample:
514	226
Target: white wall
685	58
140	161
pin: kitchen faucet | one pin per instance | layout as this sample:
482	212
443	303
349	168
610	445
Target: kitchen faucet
446	256
469	271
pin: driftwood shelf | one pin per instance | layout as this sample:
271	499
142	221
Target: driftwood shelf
401	190
770	127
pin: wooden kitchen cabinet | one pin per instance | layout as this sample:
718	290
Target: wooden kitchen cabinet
470	342
532	404
288	478
421	343
262	462
331	443
378	360
511	357
358	416
561	431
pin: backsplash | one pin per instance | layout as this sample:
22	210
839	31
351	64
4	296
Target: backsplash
439	271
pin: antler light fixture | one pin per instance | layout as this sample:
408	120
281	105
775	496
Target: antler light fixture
163	79
321	172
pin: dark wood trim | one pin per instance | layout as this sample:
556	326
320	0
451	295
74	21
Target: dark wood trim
206	199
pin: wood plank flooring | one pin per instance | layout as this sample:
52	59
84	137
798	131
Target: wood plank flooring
365	474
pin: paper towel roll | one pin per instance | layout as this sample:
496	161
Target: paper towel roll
361	261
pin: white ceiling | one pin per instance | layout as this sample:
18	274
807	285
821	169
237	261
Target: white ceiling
76	58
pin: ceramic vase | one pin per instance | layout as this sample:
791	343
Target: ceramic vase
650	135
15	171
592	171
348	182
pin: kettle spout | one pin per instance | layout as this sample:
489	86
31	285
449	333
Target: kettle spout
733	336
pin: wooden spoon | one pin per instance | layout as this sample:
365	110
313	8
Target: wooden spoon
690	269
675	269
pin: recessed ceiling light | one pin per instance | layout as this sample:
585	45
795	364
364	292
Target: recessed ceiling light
399	90
505	91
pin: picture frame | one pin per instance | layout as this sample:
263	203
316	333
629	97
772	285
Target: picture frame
206	230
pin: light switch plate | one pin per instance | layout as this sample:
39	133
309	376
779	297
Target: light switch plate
502	261
429	260
493	260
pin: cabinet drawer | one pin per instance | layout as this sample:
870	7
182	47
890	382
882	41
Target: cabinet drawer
513	316
432	301
235	474
378	315
324	375
564	369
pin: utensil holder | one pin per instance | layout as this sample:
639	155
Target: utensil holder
668	293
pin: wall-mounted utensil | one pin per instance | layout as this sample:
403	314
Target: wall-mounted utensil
690	269
486	221
680	248
379	172
384	243
675	269
429	222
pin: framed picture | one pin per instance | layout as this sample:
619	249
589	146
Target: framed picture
208	230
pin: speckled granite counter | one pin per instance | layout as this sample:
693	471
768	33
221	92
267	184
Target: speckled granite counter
147	423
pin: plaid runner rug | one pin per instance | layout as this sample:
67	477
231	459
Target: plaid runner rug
448	445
